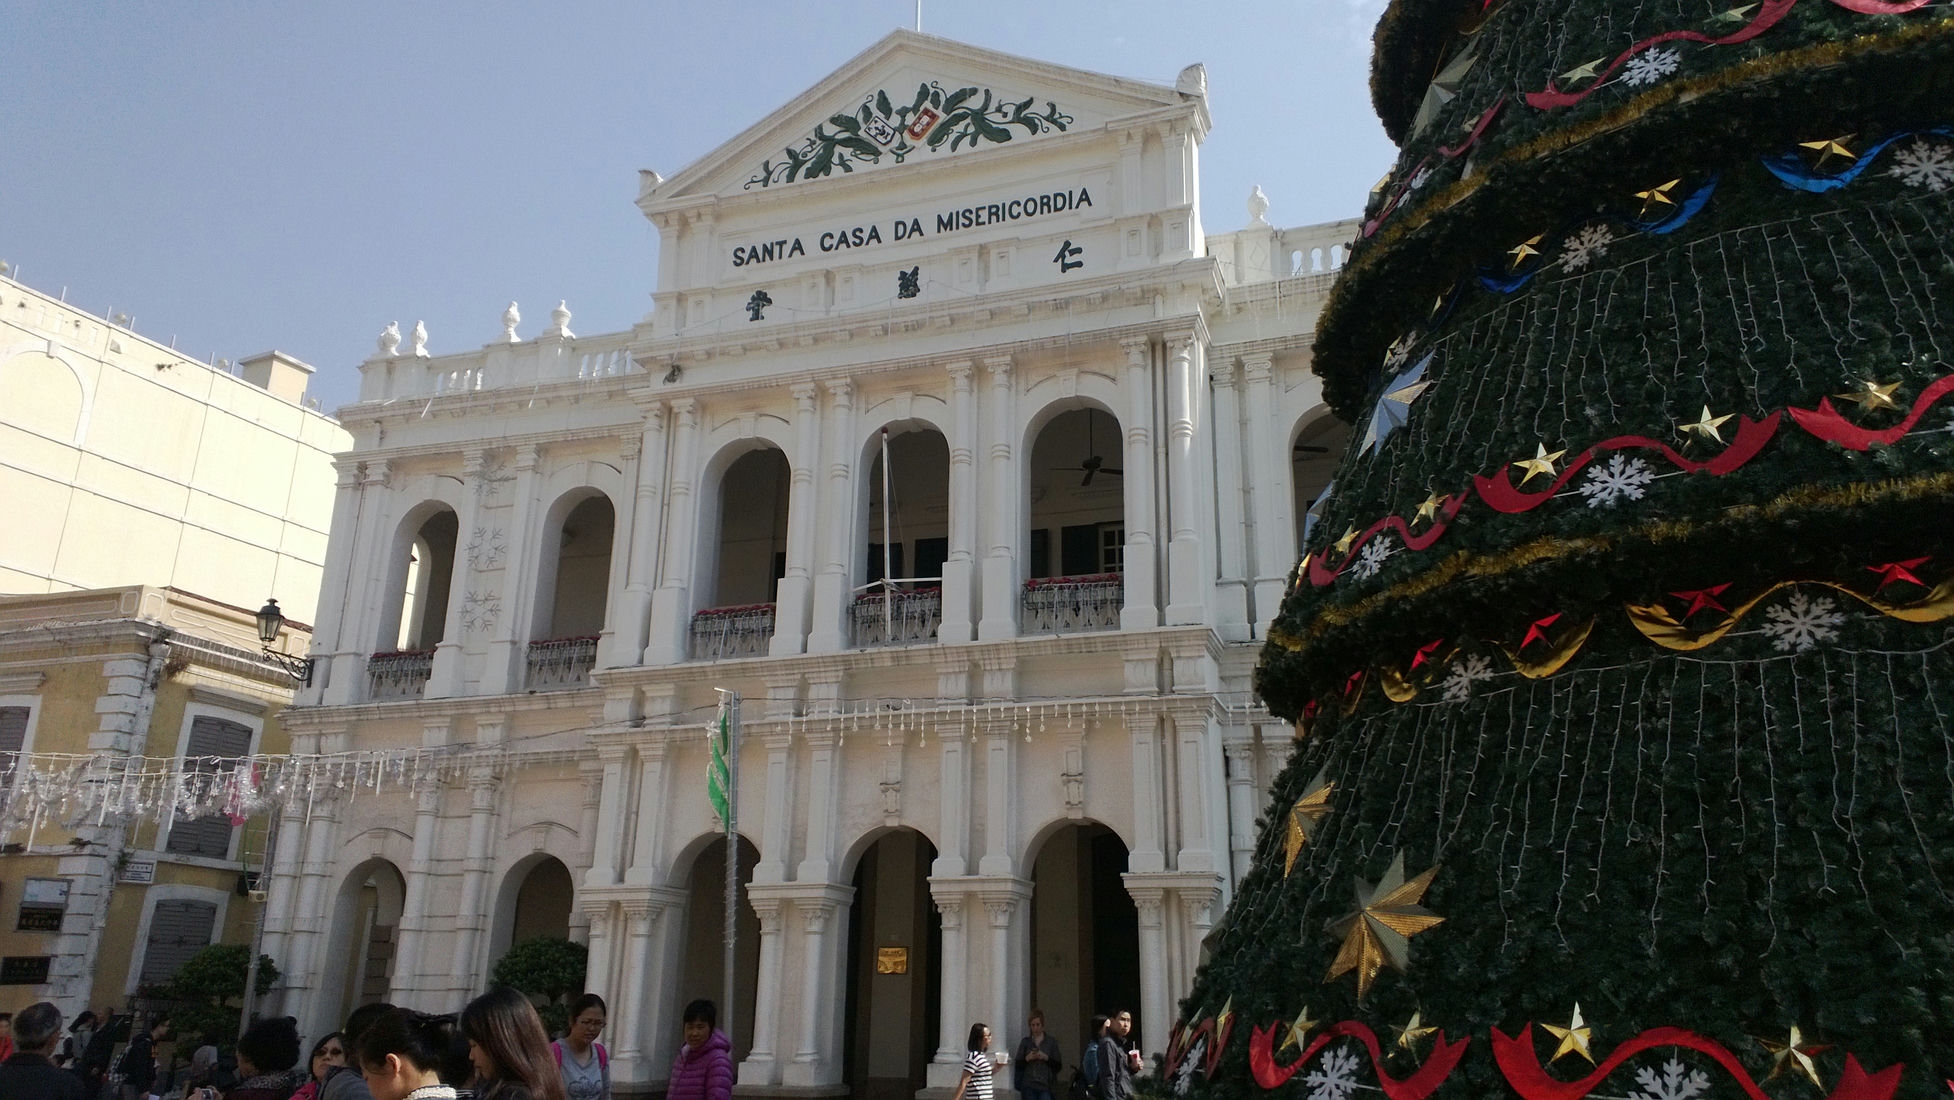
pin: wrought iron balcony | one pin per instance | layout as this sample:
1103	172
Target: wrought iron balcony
725	633
561	663
890	617
401	675
1072	605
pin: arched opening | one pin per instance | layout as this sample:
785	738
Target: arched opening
1313	456
746	552
575	574
420	573
905	538
1075	543
365	921
1085	932
533	903
895	970
702	973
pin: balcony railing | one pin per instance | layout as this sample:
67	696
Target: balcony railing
561	663
401	675
887	617
726	633
1072	605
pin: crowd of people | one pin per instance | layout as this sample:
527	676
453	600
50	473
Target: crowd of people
1105	1071
495	1049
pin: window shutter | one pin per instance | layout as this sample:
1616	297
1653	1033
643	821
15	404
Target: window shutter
210	737
177	930
13	736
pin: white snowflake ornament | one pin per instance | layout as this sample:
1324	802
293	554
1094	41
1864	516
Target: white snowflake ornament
1649	66
1924	164
1675	1082
1585	247
1622	478
1184	1074
1335	1076
1803	622
1372	557
1464	674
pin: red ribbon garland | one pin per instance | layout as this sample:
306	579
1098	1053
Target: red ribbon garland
1521	1065
1751	437
1768	14
1826	423
1436	1068
1321	574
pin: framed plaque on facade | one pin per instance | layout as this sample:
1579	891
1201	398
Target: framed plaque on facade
892	960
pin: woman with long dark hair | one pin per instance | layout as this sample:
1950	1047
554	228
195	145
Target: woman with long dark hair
401	1054
326	1053
975	1084
509	1048
585	1064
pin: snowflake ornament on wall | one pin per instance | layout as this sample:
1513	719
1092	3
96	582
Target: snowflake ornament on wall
1803	622
1335	1077
1372	557
1651	65
1622	478
1586	246
1924	164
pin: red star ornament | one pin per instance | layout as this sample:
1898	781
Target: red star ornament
1897	571
1424	654
1538	631
1700	598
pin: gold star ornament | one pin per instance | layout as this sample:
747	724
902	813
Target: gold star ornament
1378	933
1525	248
1304	816
1657	196
1428	508
1707	426
1734	15
1343	541
1793	1053
1298	1030
1872	395
1541	463
1412	1032
1574	1038
1584	72
1829	148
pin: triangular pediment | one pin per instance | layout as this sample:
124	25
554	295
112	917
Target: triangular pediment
913	99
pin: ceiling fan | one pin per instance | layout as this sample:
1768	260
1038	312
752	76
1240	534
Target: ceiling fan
1094	464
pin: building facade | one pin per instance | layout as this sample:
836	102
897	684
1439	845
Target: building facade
134	464
96	909
957	448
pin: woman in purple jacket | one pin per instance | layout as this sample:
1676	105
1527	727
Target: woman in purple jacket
703	1069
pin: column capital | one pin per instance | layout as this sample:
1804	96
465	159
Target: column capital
1000	368
528	455
1258	367
1136	348
841	390
804	395
1180	341
375	473
473	461
347	473
959	372
686	411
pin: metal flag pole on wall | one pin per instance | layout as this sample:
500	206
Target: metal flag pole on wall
722	787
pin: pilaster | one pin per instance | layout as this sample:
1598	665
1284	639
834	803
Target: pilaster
1141	610
1000	533
796	588
829	630
671	605
1269	505
960	569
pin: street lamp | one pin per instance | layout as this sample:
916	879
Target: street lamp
270	622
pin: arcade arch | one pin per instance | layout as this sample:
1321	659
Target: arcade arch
893	1007
573	588
1074	550
359	968
421	569
533	903
1315	448
1085	930
742	551
904	537
702	971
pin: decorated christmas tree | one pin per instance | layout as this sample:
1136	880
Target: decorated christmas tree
1622	656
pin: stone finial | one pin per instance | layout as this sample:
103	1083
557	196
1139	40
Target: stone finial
648	181
1193	81
420	340
510	319
1258	206
390	340
560	321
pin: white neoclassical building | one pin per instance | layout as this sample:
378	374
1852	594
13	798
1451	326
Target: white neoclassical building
958	448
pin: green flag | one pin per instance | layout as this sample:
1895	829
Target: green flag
716	780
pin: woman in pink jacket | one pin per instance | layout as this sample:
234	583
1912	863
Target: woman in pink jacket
703	1069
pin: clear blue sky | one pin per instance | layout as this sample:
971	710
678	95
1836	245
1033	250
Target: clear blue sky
249	176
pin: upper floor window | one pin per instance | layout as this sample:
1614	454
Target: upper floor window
211	754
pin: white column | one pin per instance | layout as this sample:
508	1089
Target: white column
1006	1007
367	576
638	919
336	595
1228	507
952	1011
953	802
1269	498
1000	801
796	587
1197	919
815	914
646	826
1142	609
823	808
671	605
445	680
829	633
1240	758
610	817
776	824
959	571
472	917
761	1066
411	949
1187	586
643	1036
281	893
1002	509
1148	854
508	652
629	616
1156	998
1197	793
314	922
600	968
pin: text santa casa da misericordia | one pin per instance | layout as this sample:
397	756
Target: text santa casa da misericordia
902	229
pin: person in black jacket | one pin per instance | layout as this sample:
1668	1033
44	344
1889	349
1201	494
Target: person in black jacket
138	1063
31	1074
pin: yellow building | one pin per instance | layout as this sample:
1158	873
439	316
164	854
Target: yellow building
97	903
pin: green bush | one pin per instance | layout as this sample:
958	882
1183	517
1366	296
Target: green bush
550	970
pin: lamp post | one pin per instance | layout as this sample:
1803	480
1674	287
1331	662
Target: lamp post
270	622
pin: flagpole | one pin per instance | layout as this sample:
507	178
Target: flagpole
888	627
731	701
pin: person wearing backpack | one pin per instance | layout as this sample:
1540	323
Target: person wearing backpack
138	1064
1085	1079
583	1061
1113	1077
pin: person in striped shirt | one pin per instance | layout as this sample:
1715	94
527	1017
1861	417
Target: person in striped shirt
975	1084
